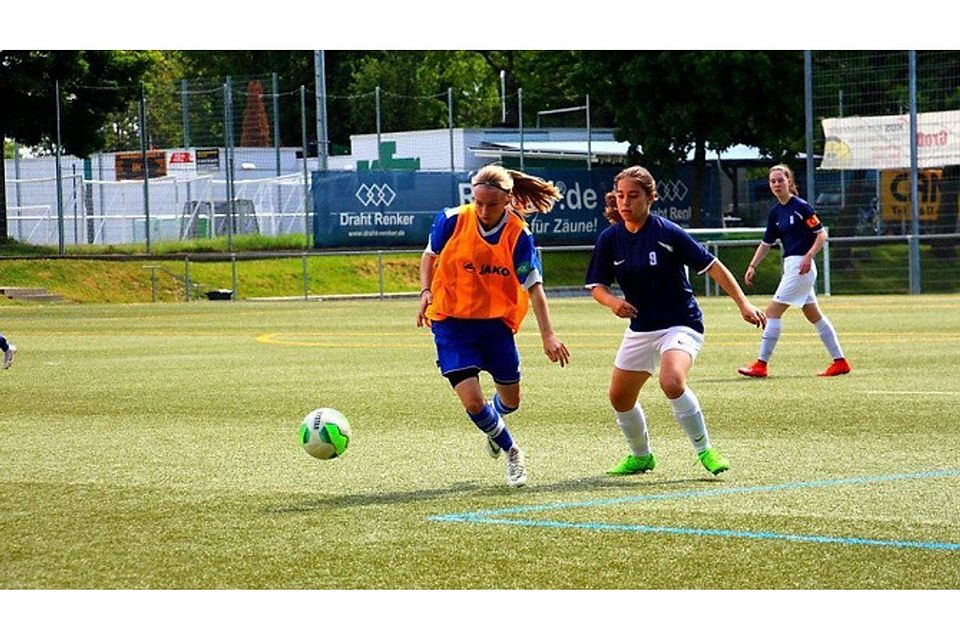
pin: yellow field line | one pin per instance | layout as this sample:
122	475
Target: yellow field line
283	339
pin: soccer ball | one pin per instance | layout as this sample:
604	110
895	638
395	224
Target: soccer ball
325	433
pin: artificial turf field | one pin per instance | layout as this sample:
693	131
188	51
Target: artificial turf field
155	447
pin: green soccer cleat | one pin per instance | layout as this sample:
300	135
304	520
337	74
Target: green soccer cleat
633	464
713	461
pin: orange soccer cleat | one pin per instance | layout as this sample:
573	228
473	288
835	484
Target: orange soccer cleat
838	367
757	370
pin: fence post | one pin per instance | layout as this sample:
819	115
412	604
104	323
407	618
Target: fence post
186	277
228	152
380	271
589	136
62	248
306	285
377	101
303	140
914	197
706	277
520	122
450	122
146	167
16	175
826	266
276	145
233	277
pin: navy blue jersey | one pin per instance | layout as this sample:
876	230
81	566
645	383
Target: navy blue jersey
648	266
794	224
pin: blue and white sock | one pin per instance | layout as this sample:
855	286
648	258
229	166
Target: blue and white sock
3	343
686	409
490	422
828	336
501	408
769	339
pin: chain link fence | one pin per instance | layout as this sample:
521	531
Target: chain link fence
234	155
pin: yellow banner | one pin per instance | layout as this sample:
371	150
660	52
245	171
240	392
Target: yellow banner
895	201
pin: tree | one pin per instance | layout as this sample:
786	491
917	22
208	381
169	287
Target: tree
92	85
255	131
668	103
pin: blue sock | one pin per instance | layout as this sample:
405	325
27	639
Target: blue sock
501	408
3	343
490	422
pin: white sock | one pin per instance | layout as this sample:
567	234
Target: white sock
686	409
633	424
769	339
829	337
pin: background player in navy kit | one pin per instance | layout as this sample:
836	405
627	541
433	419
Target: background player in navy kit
8	351
793	222
646	255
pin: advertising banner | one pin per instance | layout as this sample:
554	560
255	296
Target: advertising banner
883	142
397	208
129	165
896	200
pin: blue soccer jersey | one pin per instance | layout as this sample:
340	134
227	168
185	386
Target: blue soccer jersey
526	261
794	224
649	267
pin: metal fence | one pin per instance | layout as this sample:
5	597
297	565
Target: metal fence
235	155
872	265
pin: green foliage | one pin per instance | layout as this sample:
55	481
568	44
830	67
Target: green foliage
668	103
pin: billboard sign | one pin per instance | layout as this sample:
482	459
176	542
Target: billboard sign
883	142
397	208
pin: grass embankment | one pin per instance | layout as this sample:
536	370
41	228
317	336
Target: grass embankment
127	277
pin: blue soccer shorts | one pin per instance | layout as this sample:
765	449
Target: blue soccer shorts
466	347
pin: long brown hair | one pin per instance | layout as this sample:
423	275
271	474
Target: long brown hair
641	175
527	193
787	171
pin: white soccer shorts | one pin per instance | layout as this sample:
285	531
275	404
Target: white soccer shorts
641	350
794	288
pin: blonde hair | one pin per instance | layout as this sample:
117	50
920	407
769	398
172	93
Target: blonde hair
527	193
787	171
641	175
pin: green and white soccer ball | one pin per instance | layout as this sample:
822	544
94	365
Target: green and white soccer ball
325	433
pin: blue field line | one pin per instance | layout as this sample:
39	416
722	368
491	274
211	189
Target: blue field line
722	533
494	516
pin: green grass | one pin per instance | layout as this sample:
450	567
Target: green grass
155	447
86	278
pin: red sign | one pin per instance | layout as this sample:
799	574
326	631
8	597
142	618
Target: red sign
181	157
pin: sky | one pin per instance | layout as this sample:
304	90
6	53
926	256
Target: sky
435	24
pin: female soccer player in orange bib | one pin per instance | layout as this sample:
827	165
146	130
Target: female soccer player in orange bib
479	273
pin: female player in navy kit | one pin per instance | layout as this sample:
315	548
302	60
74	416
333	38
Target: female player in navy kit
646	255
8	351
793	221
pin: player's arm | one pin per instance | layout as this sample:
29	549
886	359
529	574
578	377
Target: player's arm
770	235
807	261
552	346
762	250
722	276
620	307
427	262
